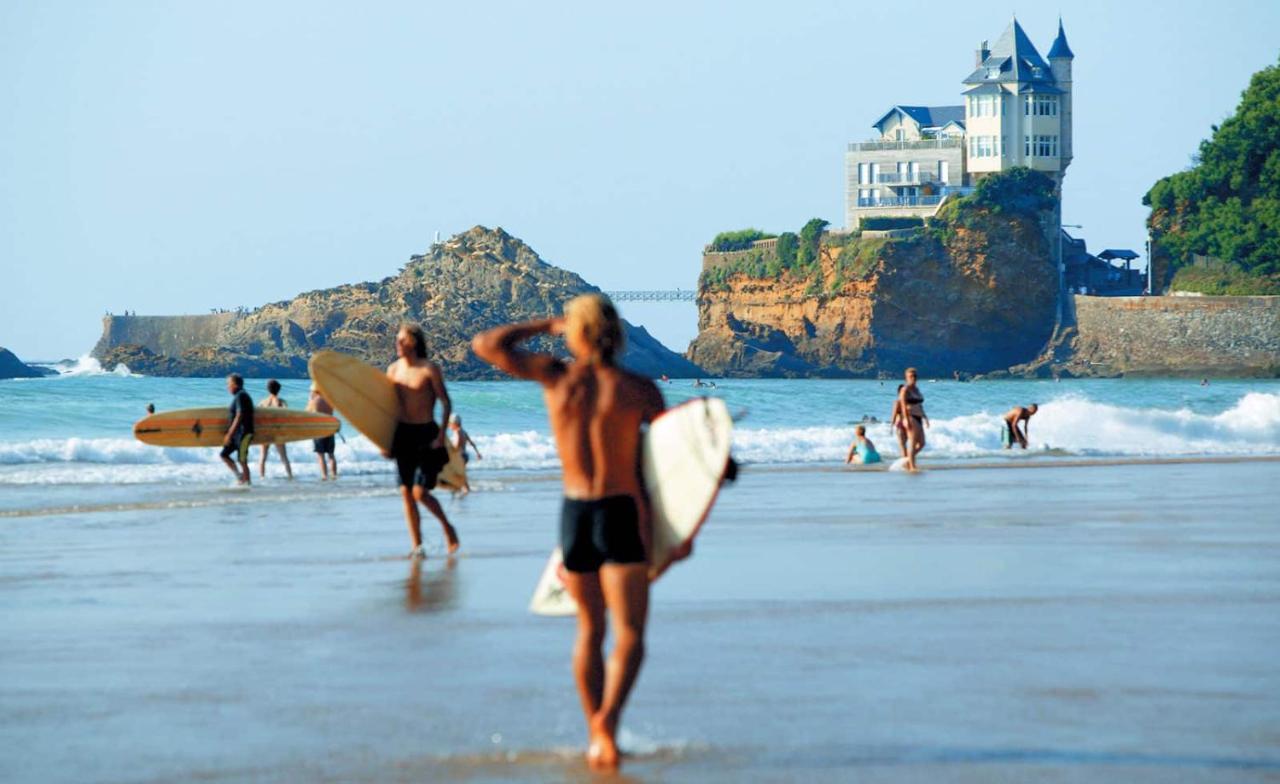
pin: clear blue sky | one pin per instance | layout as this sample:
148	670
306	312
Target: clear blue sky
174	157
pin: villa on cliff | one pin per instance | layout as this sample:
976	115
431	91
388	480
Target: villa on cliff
1016	112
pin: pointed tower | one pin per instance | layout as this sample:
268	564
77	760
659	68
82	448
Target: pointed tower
1060	57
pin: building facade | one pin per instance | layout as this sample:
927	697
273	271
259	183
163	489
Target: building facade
1016	112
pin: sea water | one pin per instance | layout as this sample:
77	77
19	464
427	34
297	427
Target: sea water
1095	619
74	431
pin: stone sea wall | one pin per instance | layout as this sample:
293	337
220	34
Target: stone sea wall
163	334
1176	336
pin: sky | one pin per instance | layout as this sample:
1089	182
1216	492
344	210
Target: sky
171	158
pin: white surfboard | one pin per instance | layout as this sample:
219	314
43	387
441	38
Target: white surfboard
684	460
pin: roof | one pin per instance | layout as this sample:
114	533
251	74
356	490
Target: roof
927	116
1013	58
1118	253
1060	47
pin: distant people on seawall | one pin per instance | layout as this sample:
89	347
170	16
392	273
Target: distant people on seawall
1018	416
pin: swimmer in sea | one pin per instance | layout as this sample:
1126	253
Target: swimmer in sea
912	400
862	450
460	439
596	409
898	422
1016	416
274	401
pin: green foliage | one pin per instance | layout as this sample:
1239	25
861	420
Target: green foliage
887	223
786	249
859	259
1020	191
1224	279
1228	206
737	240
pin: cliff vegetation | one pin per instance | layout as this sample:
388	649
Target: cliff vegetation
1218	223
974	290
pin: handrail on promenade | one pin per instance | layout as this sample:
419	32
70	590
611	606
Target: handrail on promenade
653	295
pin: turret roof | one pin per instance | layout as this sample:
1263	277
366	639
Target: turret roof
1013	58
1060	47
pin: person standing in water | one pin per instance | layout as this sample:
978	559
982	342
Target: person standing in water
899	421
596	410
274	401
460	439
418	445
323	447
912	402
240	431
1013	434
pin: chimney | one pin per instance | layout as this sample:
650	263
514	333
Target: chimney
982	54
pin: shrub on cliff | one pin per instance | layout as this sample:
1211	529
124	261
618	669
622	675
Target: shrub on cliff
1228	205
890	222
1019	190
1224	280
727	241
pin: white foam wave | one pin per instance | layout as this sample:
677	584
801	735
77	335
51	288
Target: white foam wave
1068	425
88	366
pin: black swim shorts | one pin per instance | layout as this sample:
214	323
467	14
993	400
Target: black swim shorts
323	446
238	446
416	462
606	530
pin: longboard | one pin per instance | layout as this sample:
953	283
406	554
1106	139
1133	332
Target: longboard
367	398
685	456
208	426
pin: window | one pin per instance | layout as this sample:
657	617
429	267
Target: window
984	146
1027	101
1046	105
899	134
1041	146
1026	148
862	174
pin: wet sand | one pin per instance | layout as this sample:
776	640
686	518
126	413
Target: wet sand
1078	623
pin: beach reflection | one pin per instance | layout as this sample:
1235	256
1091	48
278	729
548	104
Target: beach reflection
434	592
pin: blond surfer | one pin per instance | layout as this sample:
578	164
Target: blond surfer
596	410
418	446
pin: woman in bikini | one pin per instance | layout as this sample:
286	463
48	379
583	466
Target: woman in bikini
912	399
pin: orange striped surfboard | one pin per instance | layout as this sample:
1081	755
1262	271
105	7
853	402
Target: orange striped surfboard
208	426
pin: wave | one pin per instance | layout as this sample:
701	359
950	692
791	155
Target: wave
88	366
1067	426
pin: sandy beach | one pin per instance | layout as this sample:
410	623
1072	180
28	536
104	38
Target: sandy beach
1078	623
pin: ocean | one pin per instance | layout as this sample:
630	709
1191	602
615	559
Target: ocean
1101	607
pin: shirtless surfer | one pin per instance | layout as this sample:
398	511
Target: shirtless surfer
274	401
418	445
1018	415
323	447
596	410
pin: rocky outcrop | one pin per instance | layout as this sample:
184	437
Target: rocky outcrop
974	292
471	282
12	367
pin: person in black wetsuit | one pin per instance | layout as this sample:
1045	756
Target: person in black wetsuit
240	432
913	400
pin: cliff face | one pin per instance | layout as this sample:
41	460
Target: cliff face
974	292
473	281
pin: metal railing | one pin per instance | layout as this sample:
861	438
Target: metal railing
676	295
904	201
906	178
921	144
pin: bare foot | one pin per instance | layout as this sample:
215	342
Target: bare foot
602	753
452	537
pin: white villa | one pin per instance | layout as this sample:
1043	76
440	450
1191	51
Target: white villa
1016	112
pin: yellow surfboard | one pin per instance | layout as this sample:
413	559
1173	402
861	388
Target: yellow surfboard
367	398
208	426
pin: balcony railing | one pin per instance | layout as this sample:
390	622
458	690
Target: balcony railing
906	178
921	144
904	201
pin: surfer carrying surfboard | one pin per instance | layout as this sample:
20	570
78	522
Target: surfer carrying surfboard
240	431
596	409
418	446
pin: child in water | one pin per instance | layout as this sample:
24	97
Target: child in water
862	450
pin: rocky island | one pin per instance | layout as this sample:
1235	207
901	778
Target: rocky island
471	282
12	367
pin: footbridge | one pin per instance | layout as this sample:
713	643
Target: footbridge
653	295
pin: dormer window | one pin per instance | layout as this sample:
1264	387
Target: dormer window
993	73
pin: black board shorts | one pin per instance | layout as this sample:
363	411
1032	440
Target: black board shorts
323	446
416	462
239	447
604	530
